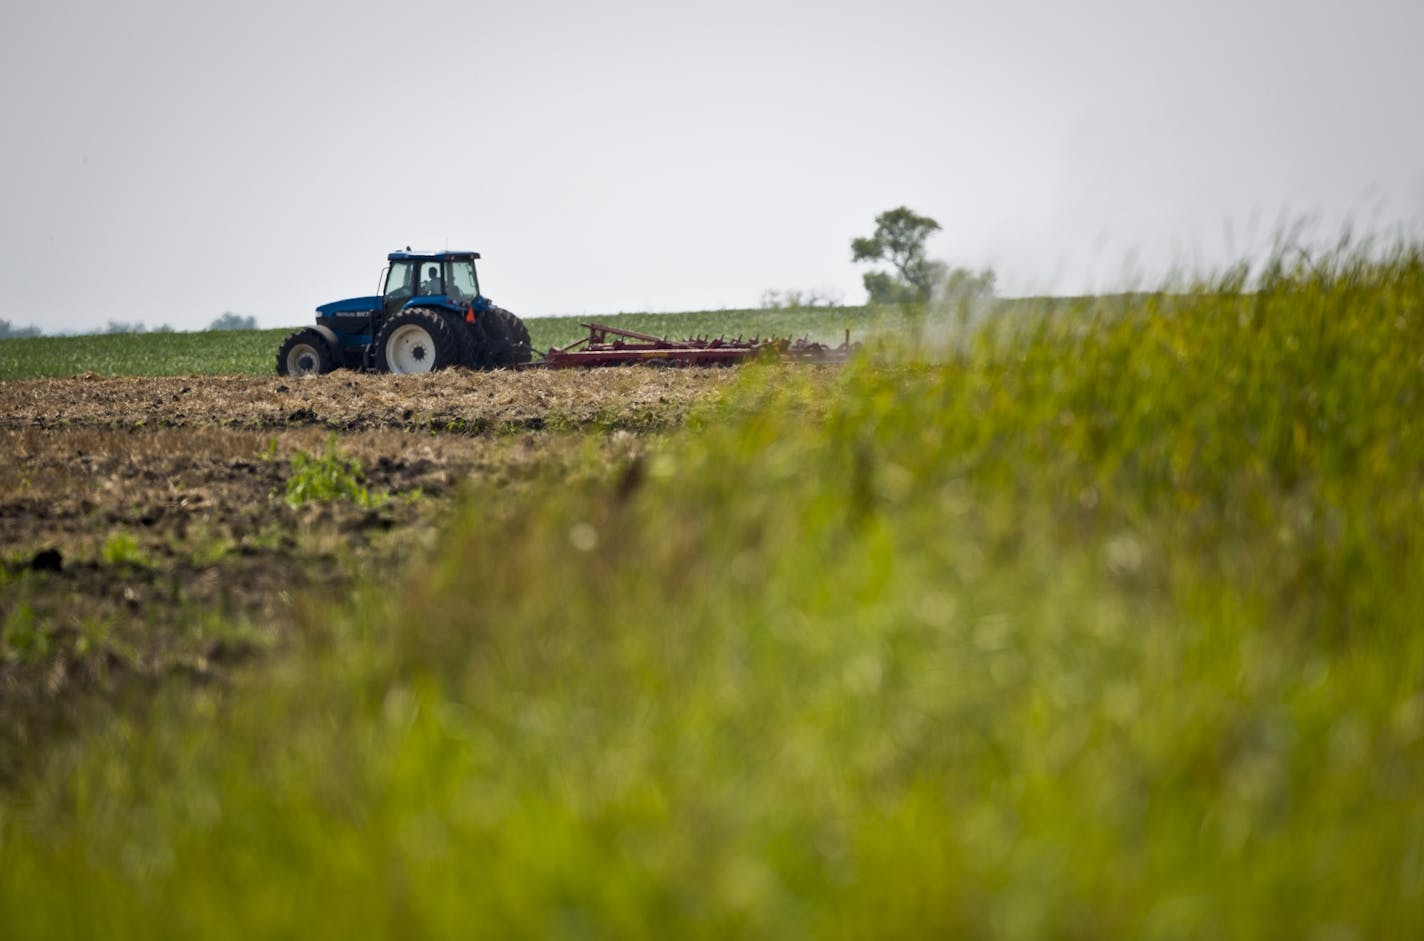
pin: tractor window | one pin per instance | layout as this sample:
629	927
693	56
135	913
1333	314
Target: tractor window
401	280
400	286
430	280
460	279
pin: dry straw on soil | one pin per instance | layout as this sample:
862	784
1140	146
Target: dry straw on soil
456	401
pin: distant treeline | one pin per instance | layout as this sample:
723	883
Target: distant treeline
228	321
7	331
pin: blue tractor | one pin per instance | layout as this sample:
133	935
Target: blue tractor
429	315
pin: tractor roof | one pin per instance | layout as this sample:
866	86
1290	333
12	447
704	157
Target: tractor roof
409	255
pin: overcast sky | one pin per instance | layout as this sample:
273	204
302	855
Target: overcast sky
170	161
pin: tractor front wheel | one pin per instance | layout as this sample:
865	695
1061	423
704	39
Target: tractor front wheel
305	353
416	340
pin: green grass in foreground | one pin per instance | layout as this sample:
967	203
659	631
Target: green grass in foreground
254	352
1108	628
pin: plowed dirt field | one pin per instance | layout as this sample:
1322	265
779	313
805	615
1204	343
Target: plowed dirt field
448	401
145	526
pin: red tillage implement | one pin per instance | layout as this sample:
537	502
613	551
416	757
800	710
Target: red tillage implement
610	346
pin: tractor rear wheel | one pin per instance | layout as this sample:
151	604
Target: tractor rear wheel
489	336
416	340
520	349
466	342
305	353
503	338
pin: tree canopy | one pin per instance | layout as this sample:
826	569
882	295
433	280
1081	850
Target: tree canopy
899	238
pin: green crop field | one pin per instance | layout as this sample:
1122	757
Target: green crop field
214	352
1101	623
254	352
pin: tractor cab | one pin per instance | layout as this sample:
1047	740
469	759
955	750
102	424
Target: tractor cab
446	278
